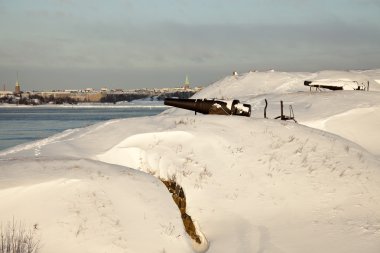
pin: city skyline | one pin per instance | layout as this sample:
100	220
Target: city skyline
16	87
131	44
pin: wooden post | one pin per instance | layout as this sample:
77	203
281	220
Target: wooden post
265	109
282	110
367	85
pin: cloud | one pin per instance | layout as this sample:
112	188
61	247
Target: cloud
171	44
65	1
107	53
370	2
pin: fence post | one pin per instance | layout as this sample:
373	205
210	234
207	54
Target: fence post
265	109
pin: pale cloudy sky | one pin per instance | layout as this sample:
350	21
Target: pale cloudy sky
156	43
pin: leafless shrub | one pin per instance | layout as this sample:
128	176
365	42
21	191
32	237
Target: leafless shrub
205	173
15	238
180	122
151	171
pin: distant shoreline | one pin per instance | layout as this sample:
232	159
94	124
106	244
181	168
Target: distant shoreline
138	104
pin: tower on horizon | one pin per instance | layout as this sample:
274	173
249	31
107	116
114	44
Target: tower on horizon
186	84
17	87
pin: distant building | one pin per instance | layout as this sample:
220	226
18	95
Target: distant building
5	93
89	90
186	84
17	88
72	91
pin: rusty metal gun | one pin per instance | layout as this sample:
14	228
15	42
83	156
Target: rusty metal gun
211	106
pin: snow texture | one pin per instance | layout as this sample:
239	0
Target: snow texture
251	184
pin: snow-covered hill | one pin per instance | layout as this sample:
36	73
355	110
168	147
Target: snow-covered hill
251	84
327	110
251	184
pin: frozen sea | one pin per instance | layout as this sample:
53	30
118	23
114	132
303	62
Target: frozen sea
23	124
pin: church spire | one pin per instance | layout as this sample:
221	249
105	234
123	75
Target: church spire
17	87
186	84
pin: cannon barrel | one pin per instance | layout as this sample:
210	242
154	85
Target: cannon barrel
211	106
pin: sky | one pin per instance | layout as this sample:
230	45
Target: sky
69	44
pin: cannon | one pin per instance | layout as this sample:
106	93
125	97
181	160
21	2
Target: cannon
211	106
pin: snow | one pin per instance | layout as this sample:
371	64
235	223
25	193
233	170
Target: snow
253	84
241	108
251	184
359	126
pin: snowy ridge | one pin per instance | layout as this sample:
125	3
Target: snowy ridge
257	83
254	83
251	184
37	145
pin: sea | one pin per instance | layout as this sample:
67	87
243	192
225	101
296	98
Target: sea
22	124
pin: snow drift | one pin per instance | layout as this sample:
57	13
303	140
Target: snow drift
251	184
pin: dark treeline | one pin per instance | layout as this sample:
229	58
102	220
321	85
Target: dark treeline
113	98
108	98
37	100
